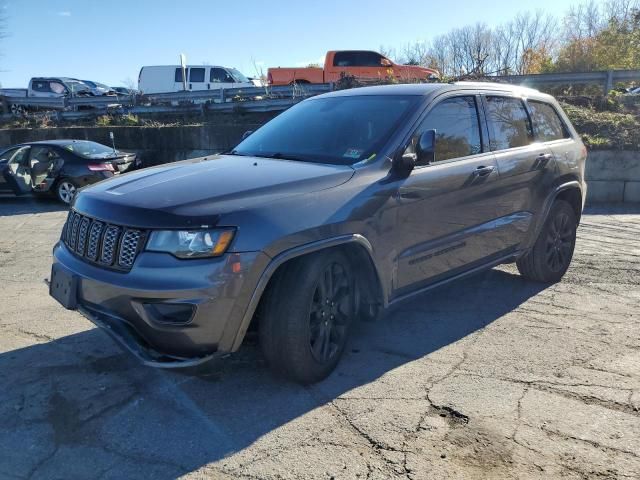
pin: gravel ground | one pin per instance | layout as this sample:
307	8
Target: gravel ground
493	377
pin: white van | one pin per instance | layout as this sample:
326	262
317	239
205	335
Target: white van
168	78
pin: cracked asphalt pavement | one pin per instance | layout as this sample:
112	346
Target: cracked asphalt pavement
491	377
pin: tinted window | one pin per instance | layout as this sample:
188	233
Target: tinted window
341	130
196	75
178	75
41	86
509	123
547	122
220	75
357	59
455	121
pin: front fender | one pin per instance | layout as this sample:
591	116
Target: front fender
284	257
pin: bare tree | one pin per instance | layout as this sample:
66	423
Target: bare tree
129	83
535	33
388	52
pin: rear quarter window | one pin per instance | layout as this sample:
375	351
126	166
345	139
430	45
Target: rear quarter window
508	122
547	123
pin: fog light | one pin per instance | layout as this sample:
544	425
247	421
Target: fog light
170	313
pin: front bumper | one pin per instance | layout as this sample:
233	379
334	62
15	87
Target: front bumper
217	292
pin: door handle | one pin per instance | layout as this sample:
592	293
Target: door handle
483	171
542	160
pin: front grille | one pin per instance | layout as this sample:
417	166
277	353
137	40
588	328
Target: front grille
128	248
111	246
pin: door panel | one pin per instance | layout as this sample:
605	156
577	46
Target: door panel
446	220
17	174
5	187
526	168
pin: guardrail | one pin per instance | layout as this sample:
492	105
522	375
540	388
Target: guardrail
219	99
606	78
261	99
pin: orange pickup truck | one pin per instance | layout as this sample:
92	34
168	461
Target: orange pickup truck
361	64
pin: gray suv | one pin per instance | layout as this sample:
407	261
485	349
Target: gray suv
343	205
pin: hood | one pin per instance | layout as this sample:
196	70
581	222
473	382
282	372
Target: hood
196	192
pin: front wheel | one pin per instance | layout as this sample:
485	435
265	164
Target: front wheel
307	315
66	190
551	255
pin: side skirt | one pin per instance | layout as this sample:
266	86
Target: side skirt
487	266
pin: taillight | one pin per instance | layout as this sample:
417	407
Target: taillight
101	167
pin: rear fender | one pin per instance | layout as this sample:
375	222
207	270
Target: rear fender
542	218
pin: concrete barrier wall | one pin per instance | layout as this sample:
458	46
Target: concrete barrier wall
613	176
154	145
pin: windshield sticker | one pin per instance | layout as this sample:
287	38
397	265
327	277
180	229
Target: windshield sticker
352	153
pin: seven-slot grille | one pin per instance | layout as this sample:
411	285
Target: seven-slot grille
107	245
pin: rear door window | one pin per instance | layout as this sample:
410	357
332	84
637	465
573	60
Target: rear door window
196	75
508	122
457	127
547	122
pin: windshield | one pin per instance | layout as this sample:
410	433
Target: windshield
91	84
238	76
339	130
88	149
76	86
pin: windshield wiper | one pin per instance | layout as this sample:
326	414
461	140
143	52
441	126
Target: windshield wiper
234	152
281	156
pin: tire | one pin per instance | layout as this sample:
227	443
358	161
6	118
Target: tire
550	256
66	190
306	317
18	110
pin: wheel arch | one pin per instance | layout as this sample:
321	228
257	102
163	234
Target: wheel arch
360	253
570	192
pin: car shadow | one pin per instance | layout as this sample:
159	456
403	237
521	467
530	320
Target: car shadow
12	205
77	407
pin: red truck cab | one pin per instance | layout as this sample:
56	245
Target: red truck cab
361	64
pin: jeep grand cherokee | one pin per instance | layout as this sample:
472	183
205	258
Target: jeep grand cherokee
338	208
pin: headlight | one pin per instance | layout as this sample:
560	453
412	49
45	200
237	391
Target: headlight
191	243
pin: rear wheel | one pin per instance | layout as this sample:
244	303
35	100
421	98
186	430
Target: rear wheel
66	190
551	255
307	315
18	110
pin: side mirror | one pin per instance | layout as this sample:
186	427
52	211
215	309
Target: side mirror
385	62
426	148
246	134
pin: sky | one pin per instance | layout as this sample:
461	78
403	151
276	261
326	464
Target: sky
109	40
